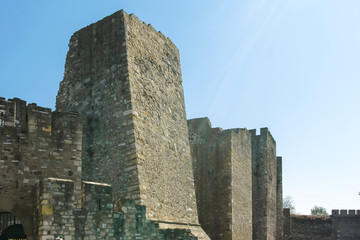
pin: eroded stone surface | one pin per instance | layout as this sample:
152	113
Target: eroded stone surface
124	78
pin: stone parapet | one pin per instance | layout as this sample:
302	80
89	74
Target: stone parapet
345	212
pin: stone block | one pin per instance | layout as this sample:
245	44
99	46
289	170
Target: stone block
47	210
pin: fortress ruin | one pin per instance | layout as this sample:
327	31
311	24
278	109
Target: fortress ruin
117	159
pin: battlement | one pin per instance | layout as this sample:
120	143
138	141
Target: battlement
342	224
31	118
11	112
264	134
345	212
36	143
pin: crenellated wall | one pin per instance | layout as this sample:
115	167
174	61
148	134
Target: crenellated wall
117	159
341	225
35	143
346	224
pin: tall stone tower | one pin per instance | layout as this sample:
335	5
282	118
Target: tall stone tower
124	79
266	187
222	168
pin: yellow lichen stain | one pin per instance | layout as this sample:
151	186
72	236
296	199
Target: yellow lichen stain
120	205
47	210
47	129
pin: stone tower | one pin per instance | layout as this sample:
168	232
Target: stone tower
266	187
222	169
124	79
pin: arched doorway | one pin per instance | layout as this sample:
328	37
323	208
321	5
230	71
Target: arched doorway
10	227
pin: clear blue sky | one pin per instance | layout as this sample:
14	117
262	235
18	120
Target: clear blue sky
292	66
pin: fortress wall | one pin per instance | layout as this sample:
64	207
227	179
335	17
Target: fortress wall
241	185
160	128
56	211
222	169
264	168
214	186
346	224
34	144
343	224
279	200
305	227
200	131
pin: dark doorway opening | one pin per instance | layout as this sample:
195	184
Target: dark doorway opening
10	227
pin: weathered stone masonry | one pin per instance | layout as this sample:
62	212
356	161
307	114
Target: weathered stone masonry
114	161
35	143
266	187
342	225
125	80
222	169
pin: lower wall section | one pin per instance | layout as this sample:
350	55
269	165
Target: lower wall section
98	218
343	226
346	224
135	226
310	227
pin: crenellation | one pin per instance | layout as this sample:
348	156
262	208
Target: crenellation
341	224
345	212
265	193
335	212
30	151
264	134
11	112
